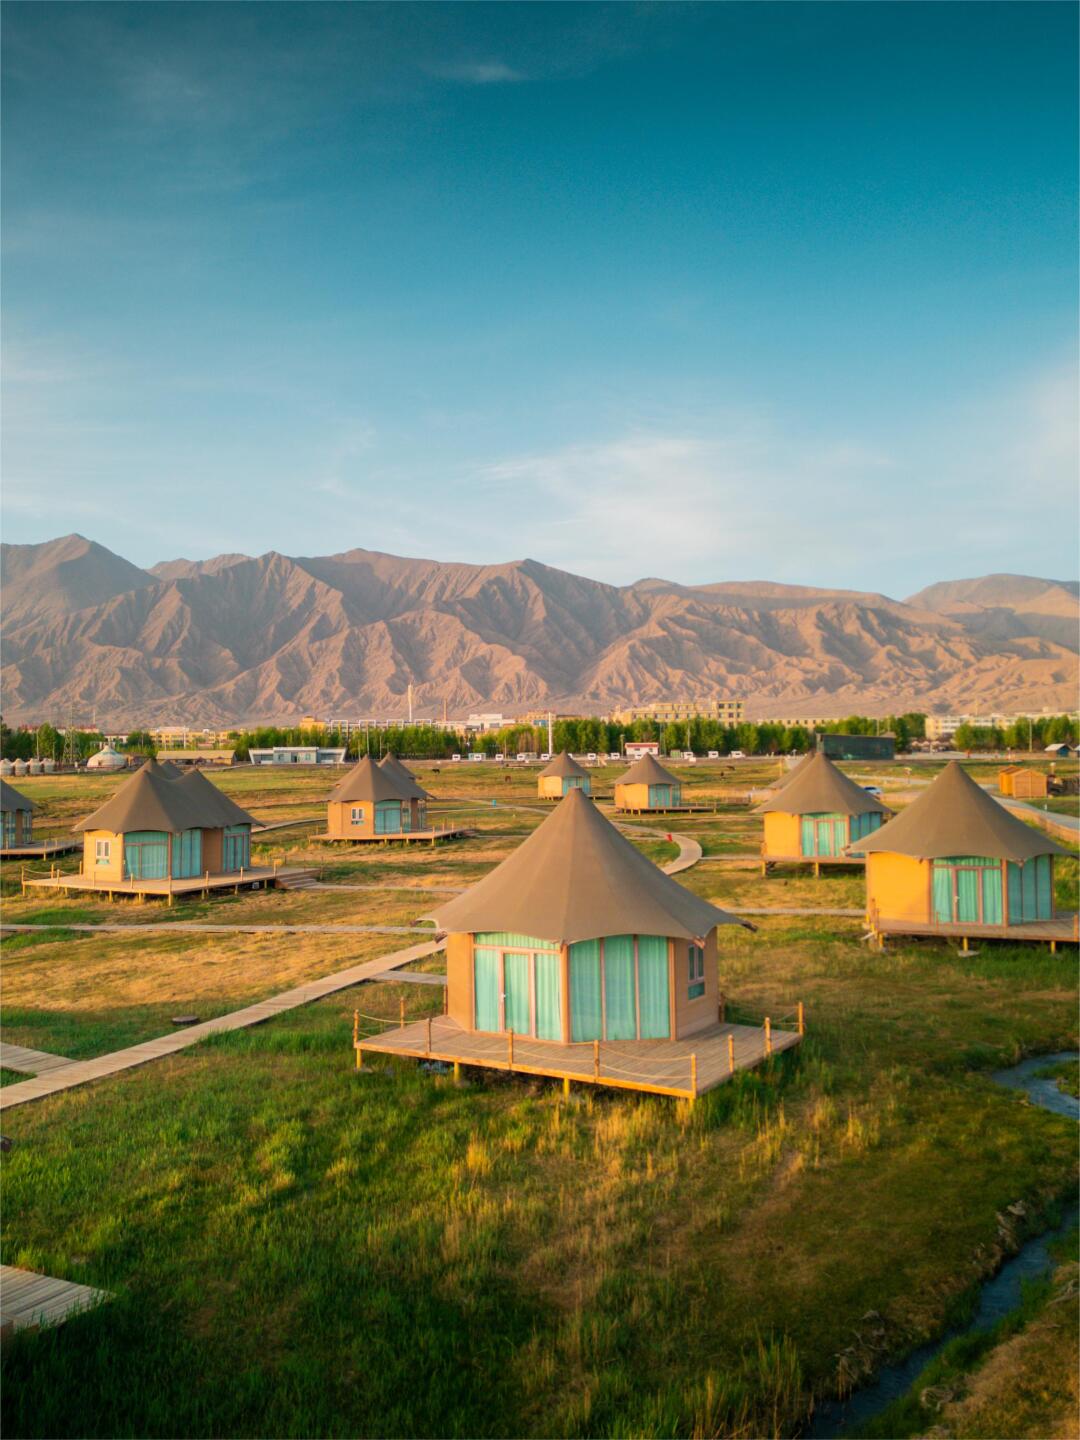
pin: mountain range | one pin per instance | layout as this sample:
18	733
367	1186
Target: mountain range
240	638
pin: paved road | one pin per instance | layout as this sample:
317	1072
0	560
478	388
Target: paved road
81	1072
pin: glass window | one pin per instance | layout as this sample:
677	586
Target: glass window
695	972
357	814
102	852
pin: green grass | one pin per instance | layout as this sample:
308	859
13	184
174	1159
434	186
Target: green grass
1067	1075
11	1077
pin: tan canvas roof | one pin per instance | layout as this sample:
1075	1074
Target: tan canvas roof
148	801
169	770
789	775
11	799
212	801
647	771
368	781
957	817
564	764
404	776
820	788
577	878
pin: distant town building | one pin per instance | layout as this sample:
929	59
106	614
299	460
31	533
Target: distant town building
676	712
635	749
857	747
298	755
196	757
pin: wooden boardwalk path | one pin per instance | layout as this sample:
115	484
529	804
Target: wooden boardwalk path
29	1062
197	926
81	1072
28	1300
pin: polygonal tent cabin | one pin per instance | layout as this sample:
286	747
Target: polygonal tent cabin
17	817
955	861
406	779
371	803
648	786
577	937
817	815
155	828
560	776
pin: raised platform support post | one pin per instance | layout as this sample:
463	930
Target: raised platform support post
768	1036
401	1012
566	1086
731	1053
801	1013
457	1072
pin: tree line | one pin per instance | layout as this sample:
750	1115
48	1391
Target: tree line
1020	735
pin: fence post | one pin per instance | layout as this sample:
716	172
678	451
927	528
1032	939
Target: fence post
693	1074
401	1012
723	1007
355	1028
731	1053
510	1039
446	999
802	1018
429	1034
596	1060
768	1036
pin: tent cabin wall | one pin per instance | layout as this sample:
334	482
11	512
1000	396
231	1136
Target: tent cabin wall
554	787
103	855
109	857
646	797
367	819
18	827
782	833
623	987
955	889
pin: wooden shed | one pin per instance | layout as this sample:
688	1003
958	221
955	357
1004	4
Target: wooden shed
1029	784
647	786
578	936
560	776
18	817
816	815
956	862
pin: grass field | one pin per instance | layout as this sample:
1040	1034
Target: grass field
297	1249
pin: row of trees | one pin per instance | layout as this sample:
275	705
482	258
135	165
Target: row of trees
1021	735
46	743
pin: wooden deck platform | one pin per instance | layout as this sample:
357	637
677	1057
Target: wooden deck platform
30	1062
1064	929
255	878
685	1068
421	837
40	849
28	1301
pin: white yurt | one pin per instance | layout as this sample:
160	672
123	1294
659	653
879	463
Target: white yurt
107	759
48	765
34	767
6	768
20	767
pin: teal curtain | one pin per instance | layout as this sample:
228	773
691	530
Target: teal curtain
992	909
516	988
659	797
1044	886
187	854
943	894
1016	895
236	847
388	817
653	987
809	839
486	989
146	855
548	1009
620	1004
585	1013
9	827
967	895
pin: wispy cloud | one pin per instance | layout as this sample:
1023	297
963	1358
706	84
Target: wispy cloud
478	72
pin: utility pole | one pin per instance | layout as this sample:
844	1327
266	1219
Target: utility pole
410	702
551	732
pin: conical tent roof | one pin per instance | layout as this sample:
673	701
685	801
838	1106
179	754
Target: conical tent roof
577	878
789	775
148	801
11	799
404	776
169	770
954	816
212	801
563	765
370	782
820	788
647	771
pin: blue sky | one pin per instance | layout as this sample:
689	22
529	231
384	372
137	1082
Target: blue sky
712	292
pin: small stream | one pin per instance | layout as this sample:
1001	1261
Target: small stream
998	1296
